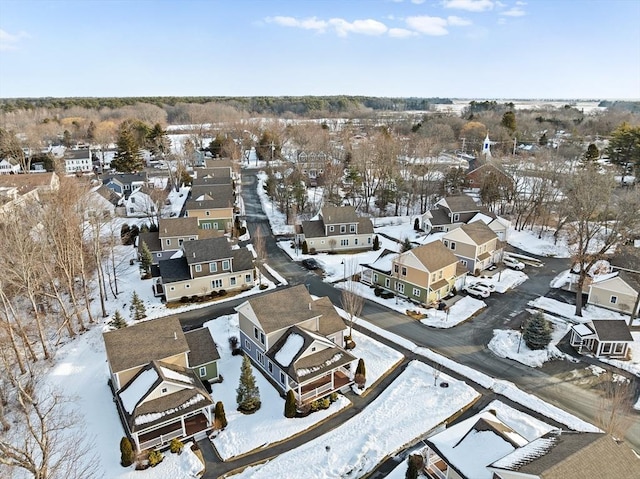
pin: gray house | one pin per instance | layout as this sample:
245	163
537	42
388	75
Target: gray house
296	342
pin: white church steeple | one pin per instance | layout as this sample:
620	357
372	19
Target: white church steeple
486	146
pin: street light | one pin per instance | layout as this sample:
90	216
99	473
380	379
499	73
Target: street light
344	269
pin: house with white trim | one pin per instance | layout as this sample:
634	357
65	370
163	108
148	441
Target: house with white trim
602	337
336	229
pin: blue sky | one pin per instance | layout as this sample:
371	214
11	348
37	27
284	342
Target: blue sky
425	48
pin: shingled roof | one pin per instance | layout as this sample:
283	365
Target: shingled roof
211	249
460	203
202	348
612	330
177	226
479	232
433	256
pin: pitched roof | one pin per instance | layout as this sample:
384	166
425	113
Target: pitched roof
202	348
333	215
433	256
439	217
479	232
213	172
125	178
108	194
173	270
242	259
572	455
178	226
460	203
611	330
77	154
210	249
208	203
313	229
338	214
27	182
152	239
144	342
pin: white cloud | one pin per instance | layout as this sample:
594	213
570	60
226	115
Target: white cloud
514	12
418	2
10	41
428	25
401	33
307	24
521	4
469	5
458	21
364	27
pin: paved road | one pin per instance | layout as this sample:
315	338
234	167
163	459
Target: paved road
465	343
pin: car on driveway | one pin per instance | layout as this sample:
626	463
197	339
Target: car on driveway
310	263
513	263
477	291
485	285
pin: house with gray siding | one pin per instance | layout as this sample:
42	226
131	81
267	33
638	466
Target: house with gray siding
337	229
296	342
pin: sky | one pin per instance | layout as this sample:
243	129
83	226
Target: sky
551	49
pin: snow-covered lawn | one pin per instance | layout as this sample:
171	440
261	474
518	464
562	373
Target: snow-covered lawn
462	310
268	425
566	310
633	365
508	343
503	281
528	241
407	409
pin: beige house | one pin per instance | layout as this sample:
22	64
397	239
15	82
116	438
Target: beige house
205	266
158	392
617	291
337	229
296	341
602	337
475	245
424	274
213	211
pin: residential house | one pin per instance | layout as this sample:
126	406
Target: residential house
337	229
424	274
312	165
464	450
101	201
500	226
158	393
206	266
569	455
219	175
477	177
296	341
8	166
215	209
143	202
16	191
449	213
475	244
617	291
602	337
203	354
78	161
125	183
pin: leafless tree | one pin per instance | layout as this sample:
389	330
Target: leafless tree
352	302
615	414
259	246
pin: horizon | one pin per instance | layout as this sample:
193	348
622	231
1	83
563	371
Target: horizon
456	49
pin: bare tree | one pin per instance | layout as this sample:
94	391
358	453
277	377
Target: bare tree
615	414
352	302
259	246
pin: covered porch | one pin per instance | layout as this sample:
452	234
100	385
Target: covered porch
334	380
185	427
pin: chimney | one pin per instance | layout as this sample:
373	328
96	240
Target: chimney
175	336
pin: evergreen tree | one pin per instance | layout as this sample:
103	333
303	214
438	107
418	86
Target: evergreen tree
543	140
126	452
624	146
376	243
137	308
146	258
220	417
91	132
361	369
537	332
247	394
416	224
128	158
117	322
406	245
509	121
590	156
158	141
290	407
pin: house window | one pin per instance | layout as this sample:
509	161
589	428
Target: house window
270	366
440	274
313	349
396	268
464	262
255	332
614	300
433	278
247	278
400	287
159	255
416	292
216	283
207	213
232	281
260	357
352	228
172	288
213	267
331	228
152	208
456	217
375	277
606	348
215	226
247	345
453	245
131	210
168	241
225	264
282	378
180	241
404	271
369	240
198	268
206	226
618	348
344	242
446	243
343	229
164	390
387	282
203	371
133	200
262	337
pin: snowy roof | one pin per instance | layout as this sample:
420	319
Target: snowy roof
384	261
289	349
486	219
137	389
582	329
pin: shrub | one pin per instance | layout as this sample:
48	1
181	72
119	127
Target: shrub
155	458
324	403
126	452
315	405
376	243
290	408
305	248
220	418
184	299
360	380
361	369
176	446
333	397
377	291
222	292
537	332
263	286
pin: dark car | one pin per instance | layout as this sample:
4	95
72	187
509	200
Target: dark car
310	263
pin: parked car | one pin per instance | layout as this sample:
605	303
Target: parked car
485	285
477	291
513	263
310	263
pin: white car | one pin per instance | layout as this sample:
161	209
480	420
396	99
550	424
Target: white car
485	285
513	263
475	290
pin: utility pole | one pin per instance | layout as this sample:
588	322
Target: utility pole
514	146
464	140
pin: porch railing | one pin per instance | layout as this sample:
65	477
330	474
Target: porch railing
161	439
316	391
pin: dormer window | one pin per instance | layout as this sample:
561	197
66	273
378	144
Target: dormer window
456	217
352	228
343	229
198	268
225	264
164	390
331	229
168	242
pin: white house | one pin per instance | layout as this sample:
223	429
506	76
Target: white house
7	167
141	204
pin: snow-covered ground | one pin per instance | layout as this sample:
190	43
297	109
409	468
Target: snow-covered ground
527	240
503	281
566	310
268	425
633	365
407	409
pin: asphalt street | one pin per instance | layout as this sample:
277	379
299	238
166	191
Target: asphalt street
465	343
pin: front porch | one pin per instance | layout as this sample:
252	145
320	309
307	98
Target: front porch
323	386
183	428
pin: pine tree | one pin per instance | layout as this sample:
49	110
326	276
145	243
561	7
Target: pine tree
247	394
128	158
537	332
137	308
290	407
361	369
146	259
158	141
126	452
117	322
406	245
220	418
509	121
376	243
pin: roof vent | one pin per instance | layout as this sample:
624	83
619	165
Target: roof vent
194	254
309	306
175	336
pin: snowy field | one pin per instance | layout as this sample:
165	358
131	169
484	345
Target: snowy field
567	311
268	425
527	240
387	425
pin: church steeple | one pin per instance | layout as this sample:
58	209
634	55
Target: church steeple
486	146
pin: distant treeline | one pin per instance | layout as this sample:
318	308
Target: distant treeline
277	105
632	106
